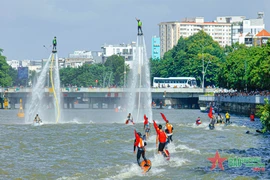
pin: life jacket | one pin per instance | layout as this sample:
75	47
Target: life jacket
227	116
54	41
169	127
162	137
141	143
140	23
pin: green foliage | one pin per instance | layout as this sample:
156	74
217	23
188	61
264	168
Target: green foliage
13	73
246	67
187	57
5	79
85	75
116	65
264	114
108	74
236	66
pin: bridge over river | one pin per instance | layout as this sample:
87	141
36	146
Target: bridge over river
76	97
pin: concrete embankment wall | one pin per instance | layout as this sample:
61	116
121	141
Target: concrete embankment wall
243	105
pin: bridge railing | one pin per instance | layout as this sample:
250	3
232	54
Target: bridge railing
84	89
257	99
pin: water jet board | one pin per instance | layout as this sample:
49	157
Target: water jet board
37	124
128	122
146	168
211	127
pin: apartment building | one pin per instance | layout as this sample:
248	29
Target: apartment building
237	25
225	30
170	32
127	51
78	58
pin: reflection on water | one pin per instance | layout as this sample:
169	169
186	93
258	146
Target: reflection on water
98	145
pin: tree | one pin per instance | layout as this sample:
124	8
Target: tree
185	59
246	67
13	73
110	73
116	64
264	114
5	79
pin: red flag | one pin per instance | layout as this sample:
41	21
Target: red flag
210	113
137	138
164	117
145	120
155	126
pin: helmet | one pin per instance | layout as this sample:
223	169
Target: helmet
160	126
54	36
139	133
37	114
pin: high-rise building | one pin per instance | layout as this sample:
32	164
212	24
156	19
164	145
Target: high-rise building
225	30
237	25
155	47
170	32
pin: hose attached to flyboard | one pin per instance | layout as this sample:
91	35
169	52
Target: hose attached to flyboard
54	93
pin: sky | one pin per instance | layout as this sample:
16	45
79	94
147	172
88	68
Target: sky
26	26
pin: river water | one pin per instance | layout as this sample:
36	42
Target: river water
96	144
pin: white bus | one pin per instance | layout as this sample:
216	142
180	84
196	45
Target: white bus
174	82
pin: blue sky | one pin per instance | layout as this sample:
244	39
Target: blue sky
27	25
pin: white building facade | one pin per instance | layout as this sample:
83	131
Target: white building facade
78	58
170	32
13	63
127	51
225	30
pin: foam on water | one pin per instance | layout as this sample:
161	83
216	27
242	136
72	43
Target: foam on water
104	150
186	148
